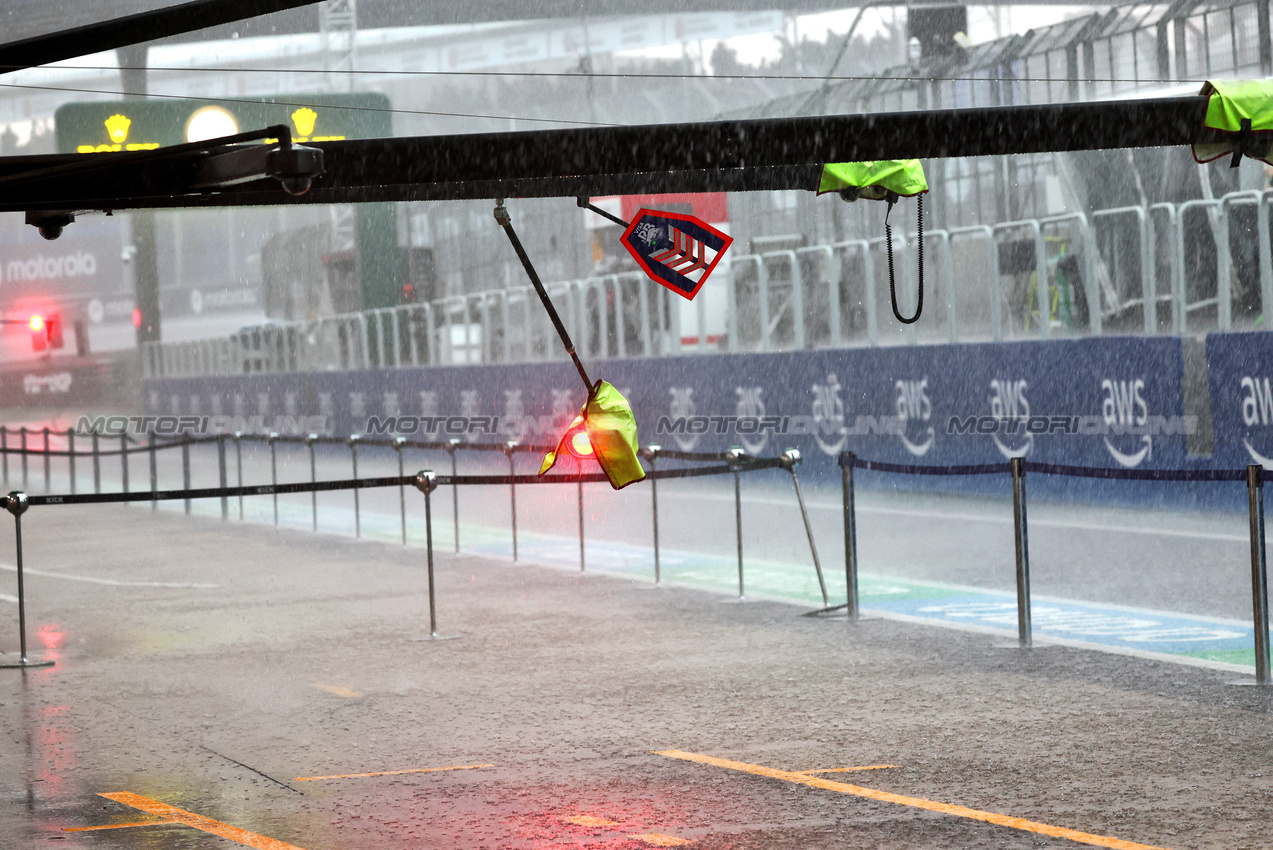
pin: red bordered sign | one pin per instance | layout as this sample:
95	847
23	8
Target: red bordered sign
676	250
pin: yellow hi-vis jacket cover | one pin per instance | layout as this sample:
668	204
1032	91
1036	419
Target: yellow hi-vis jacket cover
1228	103
903	177
612	431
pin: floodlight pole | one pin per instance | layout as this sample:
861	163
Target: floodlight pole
505	221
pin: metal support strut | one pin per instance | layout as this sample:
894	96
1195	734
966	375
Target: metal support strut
734	457
398	443
426	482
452	444
310	440
1259	573
651	454
790	461
1024	630
16	504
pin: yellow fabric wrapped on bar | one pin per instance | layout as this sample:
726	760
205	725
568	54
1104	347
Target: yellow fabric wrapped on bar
875	179
1229	103
612	432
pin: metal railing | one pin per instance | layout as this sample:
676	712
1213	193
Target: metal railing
1069	274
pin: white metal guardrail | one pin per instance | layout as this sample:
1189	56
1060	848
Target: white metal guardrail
1066	275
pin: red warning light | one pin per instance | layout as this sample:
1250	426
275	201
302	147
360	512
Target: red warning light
137	317
577	442
37	323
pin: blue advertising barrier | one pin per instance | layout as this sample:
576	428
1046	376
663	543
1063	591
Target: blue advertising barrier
1240	369
1112	401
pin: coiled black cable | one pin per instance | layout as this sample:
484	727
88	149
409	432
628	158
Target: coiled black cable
892	284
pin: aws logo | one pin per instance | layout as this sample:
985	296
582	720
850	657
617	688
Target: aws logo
1124	410
1009	405
1257	411
914	406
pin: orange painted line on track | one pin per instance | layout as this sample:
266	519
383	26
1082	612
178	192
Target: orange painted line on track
392	772
116	825
199	822
914	802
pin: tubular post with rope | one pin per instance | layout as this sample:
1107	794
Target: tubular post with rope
1259	573
222	477
790	461
16	503
426	482
509	448
46	459
1025	636
238	464
310	440
97	466
273	436
70	452
452	445
850	536
398	443
154	469
185	465
353	457
123	459
651	454
734	457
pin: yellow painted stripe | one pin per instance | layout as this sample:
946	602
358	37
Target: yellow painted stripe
392	772
915	802
657	839
115	826
589	820
199	822
347	693
848	769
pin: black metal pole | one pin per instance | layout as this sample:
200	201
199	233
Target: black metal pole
154	470
509	448
505	221
353	457
402	488
1024	629
70	456
791	462
1259	573
46	459
97	463
453	444
734	456
651	453
123	460
850	535
310	440
238	463
16	503
185	466
274	472
222	478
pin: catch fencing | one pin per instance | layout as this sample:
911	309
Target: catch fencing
734	462
1197	266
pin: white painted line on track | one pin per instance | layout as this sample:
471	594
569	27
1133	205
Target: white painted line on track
4	597
965	517
107	581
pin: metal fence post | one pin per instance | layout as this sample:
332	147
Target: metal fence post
651	453
1024	631
850	535
70	456
452	445
790	461
353	457
185	466
238	463
97	463
426	482
22	446
273	435
1259	572
579	484
16	503
221	477
46	459
509	448
310	440
123	461
398	443
734	457
154	470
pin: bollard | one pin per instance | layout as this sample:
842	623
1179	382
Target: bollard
310	440
123	461
734	457
398	443
97	464
22	447
238	462
651	453
185	466
1024	630
579	483
426	482
221	477
70	456
46	459
16	503
273	435
353	456
1259	572
4	450
790	461
850	535
509	448
452	444
154	470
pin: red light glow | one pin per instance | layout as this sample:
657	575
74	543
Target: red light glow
37	322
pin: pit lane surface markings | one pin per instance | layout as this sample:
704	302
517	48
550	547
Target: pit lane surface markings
654	839
181	817
914	802
393	772
339	690
107	581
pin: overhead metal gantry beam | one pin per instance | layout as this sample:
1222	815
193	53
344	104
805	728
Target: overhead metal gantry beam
742	155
